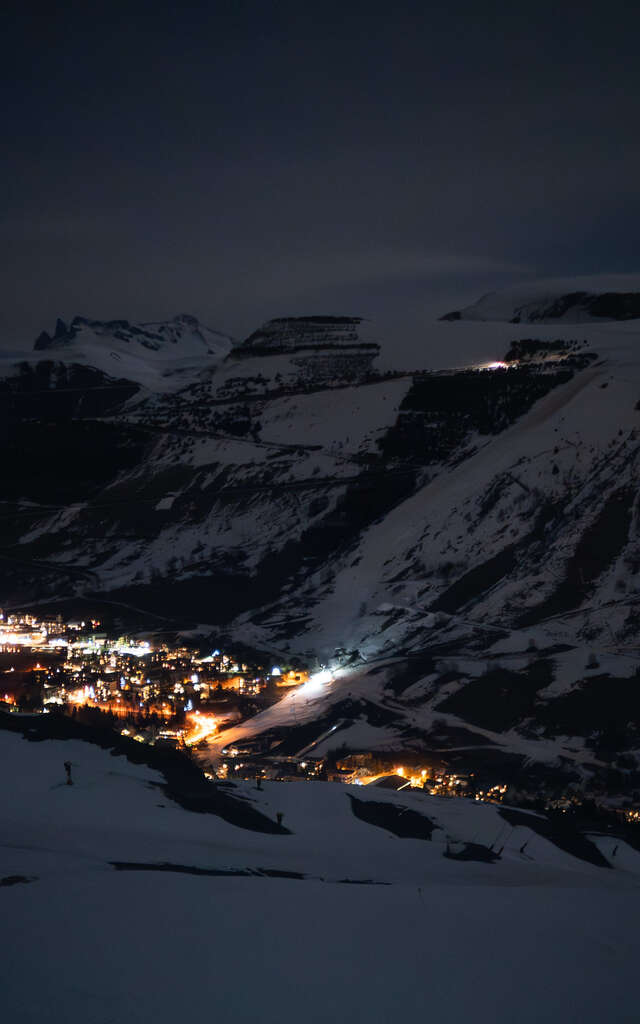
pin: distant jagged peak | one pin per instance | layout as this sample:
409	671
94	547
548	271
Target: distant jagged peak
573	300
161	356
180	337
309	333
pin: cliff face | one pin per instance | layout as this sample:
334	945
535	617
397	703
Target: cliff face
307	333
325	349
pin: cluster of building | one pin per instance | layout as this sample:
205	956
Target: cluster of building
249	760
365	769
156	690
161	691
165	692
238	763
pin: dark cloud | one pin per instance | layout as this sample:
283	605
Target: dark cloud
244	160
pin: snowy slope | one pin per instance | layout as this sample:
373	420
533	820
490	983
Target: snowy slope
571	300
569	454
309	423
535	934
155	355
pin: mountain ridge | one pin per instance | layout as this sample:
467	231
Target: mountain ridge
305	504
579	301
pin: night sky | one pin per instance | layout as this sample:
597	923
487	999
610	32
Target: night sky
241	161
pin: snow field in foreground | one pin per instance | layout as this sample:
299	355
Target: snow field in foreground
516	941
139	948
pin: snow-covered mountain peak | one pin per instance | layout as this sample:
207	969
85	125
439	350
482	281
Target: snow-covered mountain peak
183	335
140	352
574	300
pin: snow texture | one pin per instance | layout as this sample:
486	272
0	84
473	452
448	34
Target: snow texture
535	935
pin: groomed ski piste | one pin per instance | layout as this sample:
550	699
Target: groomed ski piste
119	905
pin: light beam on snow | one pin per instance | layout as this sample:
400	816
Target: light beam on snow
316	683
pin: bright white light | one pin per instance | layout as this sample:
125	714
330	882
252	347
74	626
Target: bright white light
137	651
194	677
316	682
275	671
321	677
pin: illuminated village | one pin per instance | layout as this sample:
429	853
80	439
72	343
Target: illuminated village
153	691
170	695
